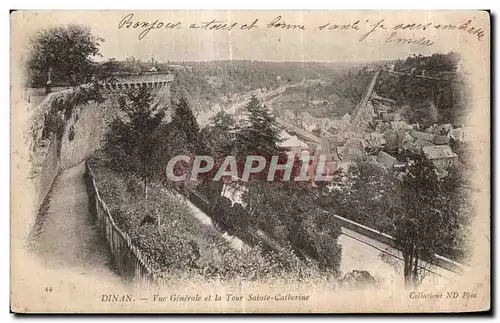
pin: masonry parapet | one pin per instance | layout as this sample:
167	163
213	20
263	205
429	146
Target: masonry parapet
136	81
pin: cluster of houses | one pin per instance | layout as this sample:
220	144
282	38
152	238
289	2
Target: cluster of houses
398	138
387	140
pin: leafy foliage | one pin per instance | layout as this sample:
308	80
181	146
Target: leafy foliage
288	213
260	133
419	224
131	141
218	137
66	52
184	121
368	195
358	279
177	242
426	100
426	214
285	211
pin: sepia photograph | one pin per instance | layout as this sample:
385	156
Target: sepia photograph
250	161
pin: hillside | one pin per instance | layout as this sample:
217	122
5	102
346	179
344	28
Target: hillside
430	89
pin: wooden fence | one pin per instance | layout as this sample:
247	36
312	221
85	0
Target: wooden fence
130	263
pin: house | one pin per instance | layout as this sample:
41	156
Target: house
419	143
317	102
381	109
441	140
405	141
381	100
391	139
401	125
397	140
292	143
350	152
459	134
443	129
375	139
441	156
422	135
380	126
388	117
386	160
330	162
330	143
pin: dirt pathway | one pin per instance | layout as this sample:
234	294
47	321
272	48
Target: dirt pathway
68	238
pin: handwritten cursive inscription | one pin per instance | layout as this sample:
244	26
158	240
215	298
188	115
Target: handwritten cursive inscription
278	23
394	38
331	26
146	27
373	28
409	33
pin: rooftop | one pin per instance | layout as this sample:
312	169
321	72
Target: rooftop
385	159
438	152
422	135
291	141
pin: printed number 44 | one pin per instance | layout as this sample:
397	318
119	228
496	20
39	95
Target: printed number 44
48	289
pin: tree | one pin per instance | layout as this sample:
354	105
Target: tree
181	136
288	213
421	227
217	140
62	54
104	71
260	133
368	195
184	121
358	279
218	137
456	202
131	142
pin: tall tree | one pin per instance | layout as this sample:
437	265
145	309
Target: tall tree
62	54
131	142
368	195
217	141
218	136
457	204
289	214
260	132
184	121
421	226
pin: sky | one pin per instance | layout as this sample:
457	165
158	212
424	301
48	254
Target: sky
267	41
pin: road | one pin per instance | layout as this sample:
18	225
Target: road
236	109
360	252
67	238
233	241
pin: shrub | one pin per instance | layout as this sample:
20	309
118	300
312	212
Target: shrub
177	243
71	134
358	279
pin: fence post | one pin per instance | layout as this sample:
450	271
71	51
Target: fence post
119	242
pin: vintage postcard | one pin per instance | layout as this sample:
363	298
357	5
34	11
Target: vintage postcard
250	161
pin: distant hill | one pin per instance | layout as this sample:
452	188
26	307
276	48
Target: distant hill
218	82
430	89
